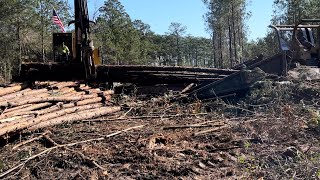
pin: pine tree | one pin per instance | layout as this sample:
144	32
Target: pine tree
226	23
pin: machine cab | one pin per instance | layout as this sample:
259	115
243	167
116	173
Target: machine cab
60	39
300	40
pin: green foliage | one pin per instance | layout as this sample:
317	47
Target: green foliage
268	46
225	21
116	33
26	30
314	121
291	11
247	144
126	41
242	159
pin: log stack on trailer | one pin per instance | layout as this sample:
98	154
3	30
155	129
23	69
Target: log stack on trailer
137	74
48	104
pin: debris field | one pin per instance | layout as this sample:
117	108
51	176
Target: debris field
67	130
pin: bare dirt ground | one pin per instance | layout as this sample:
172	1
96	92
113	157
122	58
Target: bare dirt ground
272	133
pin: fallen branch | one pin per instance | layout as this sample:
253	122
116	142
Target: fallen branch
210	130
66	145
146	117
125	114
30	140
186	89
91	161
201	125
186	126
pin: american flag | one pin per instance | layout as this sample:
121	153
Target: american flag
57	21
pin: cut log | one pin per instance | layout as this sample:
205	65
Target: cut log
186	89
82	85
9	90
45	83
93	91
90	114
108	92
15	94
120	68
16	108
35	92
46	99
90	101
176	73
14	118
85	87
6	103
210	130
27	109
50	109
78	94
66	90
59	106
69	105
25	123
61	85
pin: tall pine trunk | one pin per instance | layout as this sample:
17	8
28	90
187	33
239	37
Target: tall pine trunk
230	42
234	34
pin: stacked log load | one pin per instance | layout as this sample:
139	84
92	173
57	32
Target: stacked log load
50	103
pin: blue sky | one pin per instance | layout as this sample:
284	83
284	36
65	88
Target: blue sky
160	13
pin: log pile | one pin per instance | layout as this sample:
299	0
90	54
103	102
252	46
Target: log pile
48	104
160	74
138	74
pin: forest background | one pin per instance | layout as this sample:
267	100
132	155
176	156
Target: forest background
26	34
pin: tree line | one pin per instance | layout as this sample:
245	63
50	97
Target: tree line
27	29
26	32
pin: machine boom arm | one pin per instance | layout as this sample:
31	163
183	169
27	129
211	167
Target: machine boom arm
84	47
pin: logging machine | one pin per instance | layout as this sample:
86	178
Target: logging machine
299	45
79	42
301	42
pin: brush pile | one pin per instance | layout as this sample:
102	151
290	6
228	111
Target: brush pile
25	109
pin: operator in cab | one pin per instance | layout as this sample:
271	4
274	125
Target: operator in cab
64	52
